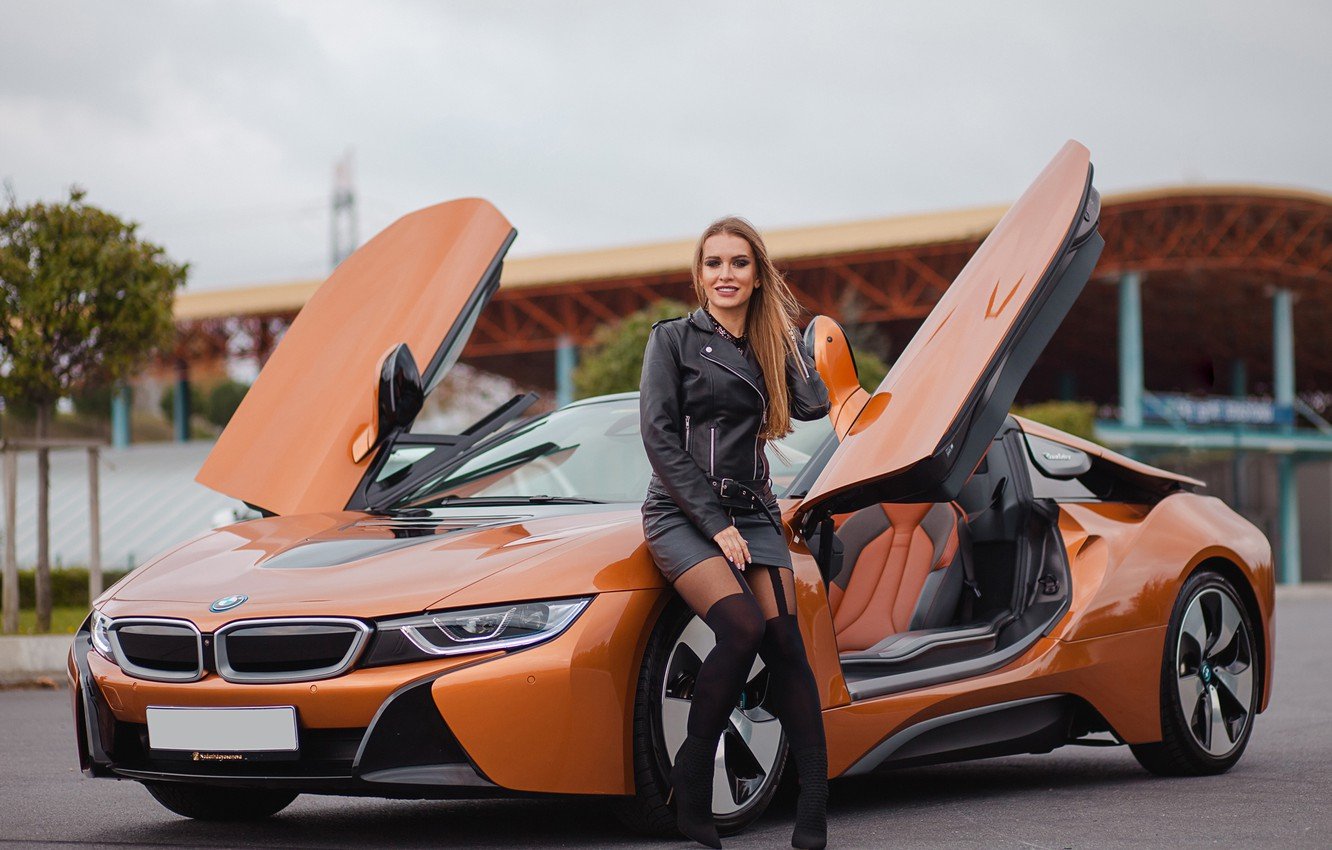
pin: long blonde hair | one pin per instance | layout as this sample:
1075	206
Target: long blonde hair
769	319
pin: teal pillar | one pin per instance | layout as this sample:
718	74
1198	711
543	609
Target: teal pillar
1239	378
120	417
566	357
1283	384
1130	350
180	413
1239	388
1283	352
1288	520
1068	385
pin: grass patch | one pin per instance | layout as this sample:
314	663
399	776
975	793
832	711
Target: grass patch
64	620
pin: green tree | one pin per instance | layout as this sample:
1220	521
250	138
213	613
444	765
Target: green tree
83	301
613	362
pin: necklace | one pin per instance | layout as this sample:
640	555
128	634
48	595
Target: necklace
740	342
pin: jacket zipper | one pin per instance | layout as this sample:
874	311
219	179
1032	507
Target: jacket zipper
712	450
763	402
800	361
686	433
762	422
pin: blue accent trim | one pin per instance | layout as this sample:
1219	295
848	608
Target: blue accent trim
566	357
1130	350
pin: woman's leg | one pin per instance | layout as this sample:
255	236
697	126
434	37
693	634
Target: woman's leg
715	591
793	696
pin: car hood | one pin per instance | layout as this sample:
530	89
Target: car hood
363	565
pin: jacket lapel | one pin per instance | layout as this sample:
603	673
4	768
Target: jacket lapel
718	348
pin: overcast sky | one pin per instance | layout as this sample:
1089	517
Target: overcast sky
217	124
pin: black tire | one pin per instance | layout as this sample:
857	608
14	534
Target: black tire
1187	748
209	802
648	812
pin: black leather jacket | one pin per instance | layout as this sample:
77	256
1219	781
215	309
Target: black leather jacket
701	406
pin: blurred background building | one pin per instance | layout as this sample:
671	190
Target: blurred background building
1199	345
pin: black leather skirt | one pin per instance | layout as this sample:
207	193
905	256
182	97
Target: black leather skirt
676	544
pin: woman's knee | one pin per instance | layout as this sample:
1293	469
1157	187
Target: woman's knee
781	638
737	622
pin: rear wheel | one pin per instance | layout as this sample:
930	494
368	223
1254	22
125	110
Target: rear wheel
1209	682
750	755
205	802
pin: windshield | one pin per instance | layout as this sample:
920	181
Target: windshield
590	450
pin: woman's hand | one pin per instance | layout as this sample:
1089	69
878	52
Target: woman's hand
733	546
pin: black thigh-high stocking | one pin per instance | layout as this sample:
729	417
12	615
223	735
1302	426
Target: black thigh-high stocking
793	696
714	590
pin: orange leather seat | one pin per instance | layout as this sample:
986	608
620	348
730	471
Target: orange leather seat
901	571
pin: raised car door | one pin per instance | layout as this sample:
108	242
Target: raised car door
298	443
923	431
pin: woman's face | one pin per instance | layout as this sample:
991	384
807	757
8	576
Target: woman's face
728	271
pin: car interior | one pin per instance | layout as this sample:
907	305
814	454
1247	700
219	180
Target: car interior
923	593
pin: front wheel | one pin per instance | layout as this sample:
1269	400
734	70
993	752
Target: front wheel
1209	682
205	802
750	755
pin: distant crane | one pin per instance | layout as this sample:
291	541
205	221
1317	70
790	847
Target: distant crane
342	236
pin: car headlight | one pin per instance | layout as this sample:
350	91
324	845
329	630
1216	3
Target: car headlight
100	634
471	630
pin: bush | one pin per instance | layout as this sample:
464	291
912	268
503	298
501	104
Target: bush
69	586
870	368
223	400
93	402
613	363
197	401
1073	417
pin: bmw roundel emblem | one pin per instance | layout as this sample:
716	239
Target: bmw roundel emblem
226	603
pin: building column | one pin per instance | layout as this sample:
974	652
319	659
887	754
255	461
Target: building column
1130	350
1283	383
566	357
1239	389
1068	385
120	416
180	410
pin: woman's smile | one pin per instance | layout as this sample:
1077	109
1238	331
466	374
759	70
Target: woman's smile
728	277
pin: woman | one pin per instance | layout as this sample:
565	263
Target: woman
716	386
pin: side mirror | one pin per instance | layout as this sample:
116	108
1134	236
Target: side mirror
399	395
831	350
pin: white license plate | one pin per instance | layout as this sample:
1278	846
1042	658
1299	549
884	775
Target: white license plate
223	730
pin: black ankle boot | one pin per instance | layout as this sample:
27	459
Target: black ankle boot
691	782
811	825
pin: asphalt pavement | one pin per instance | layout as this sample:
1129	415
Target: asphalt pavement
1279	795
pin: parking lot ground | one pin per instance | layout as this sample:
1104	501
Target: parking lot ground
1277	796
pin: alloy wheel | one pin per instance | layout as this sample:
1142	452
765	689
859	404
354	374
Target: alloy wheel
748	758
1215	672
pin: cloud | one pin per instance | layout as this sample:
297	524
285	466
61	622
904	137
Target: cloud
217	124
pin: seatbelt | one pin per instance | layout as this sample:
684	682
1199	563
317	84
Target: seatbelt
964	547
826	528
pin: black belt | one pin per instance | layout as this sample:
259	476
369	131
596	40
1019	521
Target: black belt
745	495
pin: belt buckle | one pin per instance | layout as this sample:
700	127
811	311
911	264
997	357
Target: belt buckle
722	487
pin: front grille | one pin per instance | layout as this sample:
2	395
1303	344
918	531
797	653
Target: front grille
160	650
288	650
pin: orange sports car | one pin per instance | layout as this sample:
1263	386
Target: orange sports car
476	614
